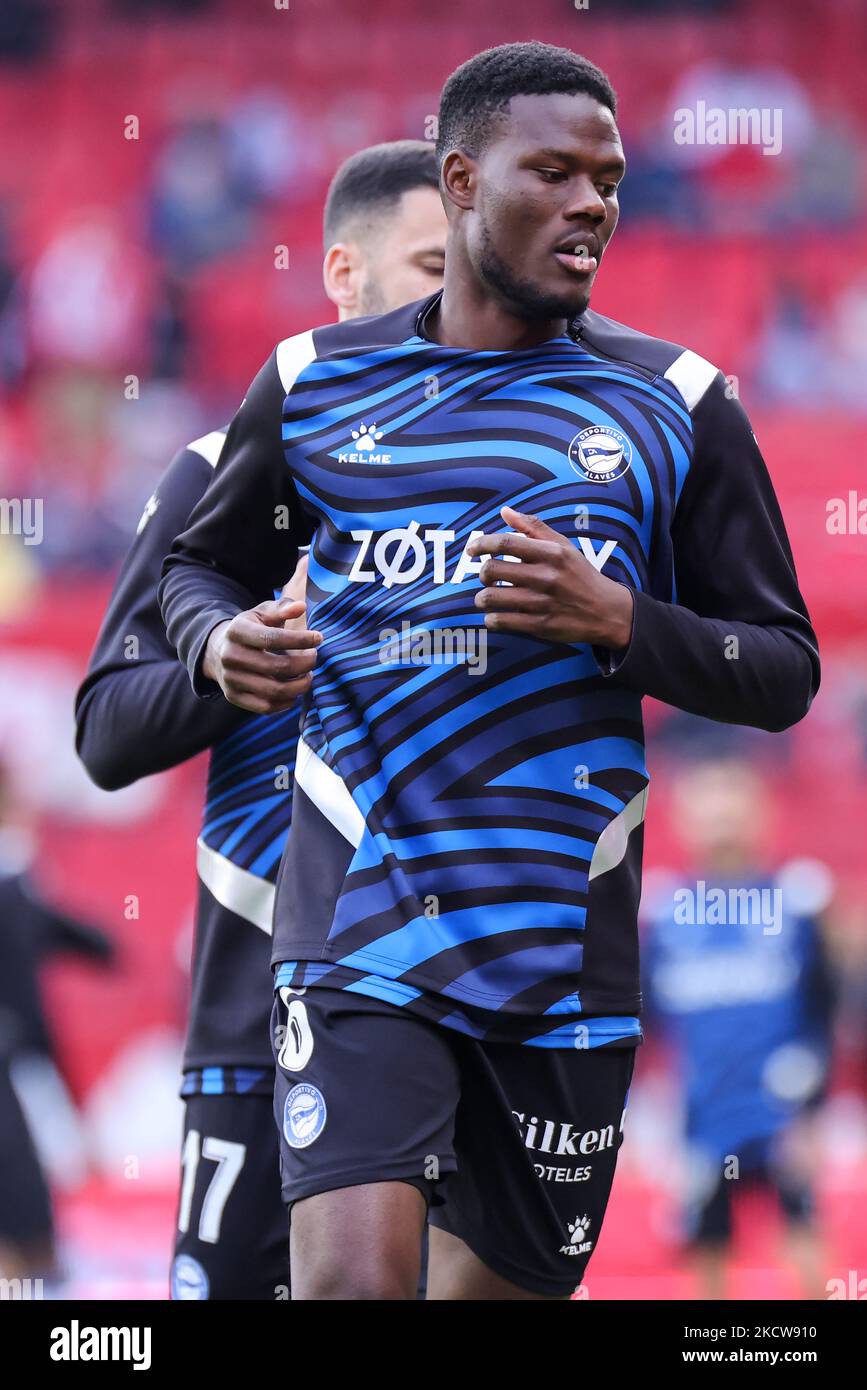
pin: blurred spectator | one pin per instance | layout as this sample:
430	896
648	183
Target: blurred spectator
790	348
827	348
113	451
274	150
657	188
170	329
728	84
848	345
87	295
824	175
743	190
196	213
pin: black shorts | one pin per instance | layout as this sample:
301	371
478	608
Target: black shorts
232	1238
708	1217
513	1146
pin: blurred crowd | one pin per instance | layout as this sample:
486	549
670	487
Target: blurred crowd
138	299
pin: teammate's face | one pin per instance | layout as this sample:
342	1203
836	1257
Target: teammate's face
403	260
545	183
721	811
394	258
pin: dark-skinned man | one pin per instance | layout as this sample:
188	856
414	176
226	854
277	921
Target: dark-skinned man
456	962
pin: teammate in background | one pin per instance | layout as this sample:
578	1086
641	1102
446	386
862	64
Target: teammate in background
384	239
31	931
737	977
464	865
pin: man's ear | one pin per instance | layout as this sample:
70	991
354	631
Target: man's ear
341	272
458	179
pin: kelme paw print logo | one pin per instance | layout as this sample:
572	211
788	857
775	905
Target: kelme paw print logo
368	437
578	1229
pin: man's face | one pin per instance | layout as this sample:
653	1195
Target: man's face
721	810
403	255
546	183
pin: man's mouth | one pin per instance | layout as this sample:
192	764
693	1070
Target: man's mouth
579	255
576	263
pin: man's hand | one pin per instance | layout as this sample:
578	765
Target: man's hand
262	659
553	592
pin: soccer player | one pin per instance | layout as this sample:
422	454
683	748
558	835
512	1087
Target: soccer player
740	984
384	237
455	934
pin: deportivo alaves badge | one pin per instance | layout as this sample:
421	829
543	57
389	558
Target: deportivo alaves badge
600	454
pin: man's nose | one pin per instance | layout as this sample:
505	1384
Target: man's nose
585	200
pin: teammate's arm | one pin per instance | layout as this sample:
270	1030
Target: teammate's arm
738	645
241	542
135	713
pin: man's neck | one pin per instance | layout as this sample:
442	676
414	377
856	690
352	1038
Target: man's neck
467	318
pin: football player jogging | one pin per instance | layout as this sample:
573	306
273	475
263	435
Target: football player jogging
385	237
455	939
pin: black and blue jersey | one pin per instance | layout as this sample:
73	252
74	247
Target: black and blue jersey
739	983
136	715
467	826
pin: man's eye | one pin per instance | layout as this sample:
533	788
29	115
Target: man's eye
607	190
551	175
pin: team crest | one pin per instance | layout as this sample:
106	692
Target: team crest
600	454
189	1280
304	1115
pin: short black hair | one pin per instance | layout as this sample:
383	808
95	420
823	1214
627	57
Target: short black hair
480	89
374	180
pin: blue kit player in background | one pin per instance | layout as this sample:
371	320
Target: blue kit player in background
384	232
455	923
738	981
